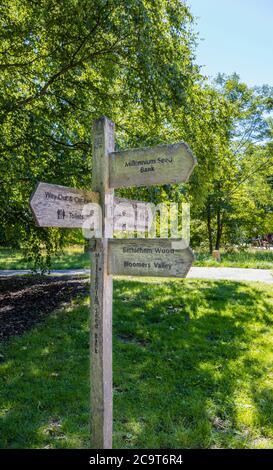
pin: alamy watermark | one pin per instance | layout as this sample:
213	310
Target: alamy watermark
133	219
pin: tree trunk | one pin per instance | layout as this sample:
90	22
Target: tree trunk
219	230
209	226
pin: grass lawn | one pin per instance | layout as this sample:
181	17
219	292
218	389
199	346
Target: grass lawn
192	369
262	259
73	257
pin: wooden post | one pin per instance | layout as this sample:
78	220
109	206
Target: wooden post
216	255
101	295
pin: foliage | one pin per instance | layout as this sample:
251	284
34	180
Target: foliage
238	202
63	64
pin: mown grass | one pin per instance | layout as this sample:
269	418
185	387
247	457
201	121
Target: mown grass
259	259
73	257
192	369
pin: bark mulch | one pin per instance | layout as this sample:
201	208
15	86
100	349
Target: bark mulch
25	301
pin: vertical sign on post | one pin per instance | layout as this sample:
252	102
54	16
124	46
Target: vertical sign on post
101	295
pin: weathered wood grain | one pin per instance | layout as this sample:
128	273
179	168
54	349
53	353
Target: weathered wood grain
162	164
130	215
59	206
144	257
101	296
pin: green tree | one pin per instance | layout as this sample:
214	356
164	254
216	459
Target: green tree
237	167
65	63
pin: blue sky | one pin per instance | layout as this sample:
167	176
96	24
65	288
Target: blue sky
237	37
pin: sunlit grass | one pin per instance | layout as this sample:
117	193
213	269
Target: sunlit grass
73	257
192	368
259	259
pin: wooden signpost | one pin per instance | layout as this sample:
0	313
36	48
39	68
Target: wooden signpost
58	206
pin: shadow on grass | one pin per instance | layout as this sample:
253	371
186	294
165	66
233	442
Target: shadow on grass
44	384
191	360
185	387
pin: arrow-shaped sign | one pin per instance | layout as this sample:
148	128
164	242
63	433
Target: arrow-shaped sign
155	257
60	206
162	164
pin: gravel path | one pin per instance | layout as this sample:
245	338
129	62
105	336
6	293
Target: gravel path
57	272
231	274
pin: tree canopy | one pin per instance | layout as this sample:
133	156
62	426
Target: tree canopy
65	63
